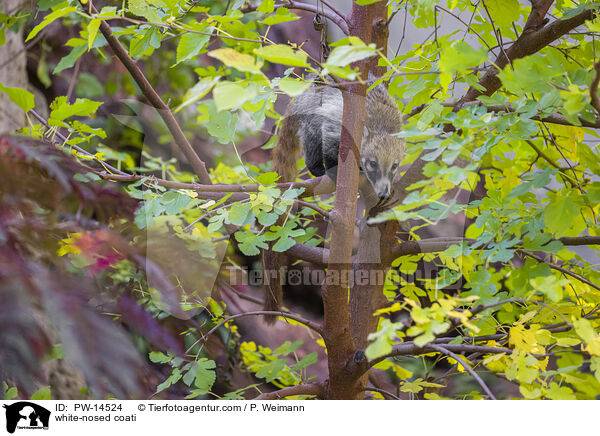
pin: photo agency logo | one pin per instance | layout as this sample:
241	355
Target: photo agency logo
26	415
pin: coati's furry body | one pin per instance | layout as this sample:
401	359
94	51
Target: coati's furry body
314	120
313	123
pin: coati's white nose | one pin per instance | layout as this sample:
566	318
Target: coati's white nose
382	188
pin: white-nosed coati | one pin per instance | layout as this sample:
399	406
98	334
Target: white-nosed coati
313	120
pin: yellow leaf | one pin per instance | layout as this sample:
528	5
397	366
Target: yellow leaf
240	61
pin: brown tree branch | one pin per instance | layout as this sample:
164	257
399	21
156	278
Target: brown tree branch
553	119
315	186
594	89
561	269
479	309
433	245
410	349
531	41
335	16
309	324
163	110
539	9
315	255
320	256
315	389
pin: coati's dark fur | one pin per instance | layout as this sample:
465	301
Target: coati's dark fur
314	121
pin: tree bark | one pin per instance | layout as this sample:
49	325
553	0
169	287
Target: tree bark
344	381
12	71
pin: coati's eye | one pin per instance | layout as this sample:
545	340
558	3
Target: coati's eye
371	164
394	166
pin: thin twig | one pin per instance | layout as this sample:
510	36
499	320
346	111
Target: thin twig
496	32
340	21
336	11
547	158
315	389
561	269
76	147
466	24
310	324
314	207
465	366
73	80
383	392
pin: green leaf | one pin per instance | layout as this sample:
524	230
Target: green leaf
550	286
221	124
49	19
293	87
238	214
9	393
285	235
61	109
21	97
143	8
417	386
283	15
575	99
174	201
171	380
69	60
563	213
287	347
347	54
89	86
530	74
271	371
267	219
266	6
504	13
282	54
42	394
249	243
92	29
556	392
158	357
198	91
522	367
202	374
145	45
307	360
460	56
382	339
230	95
190	45
267	178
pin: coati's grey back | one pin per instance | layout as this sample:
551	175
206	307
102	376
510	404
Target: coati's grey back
318	114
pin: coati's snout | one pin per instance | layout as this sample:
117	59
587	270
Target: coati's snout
379	175
380	162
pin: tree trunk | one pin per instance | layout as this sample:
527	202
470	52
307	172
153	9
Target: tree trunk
346	381
12	71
